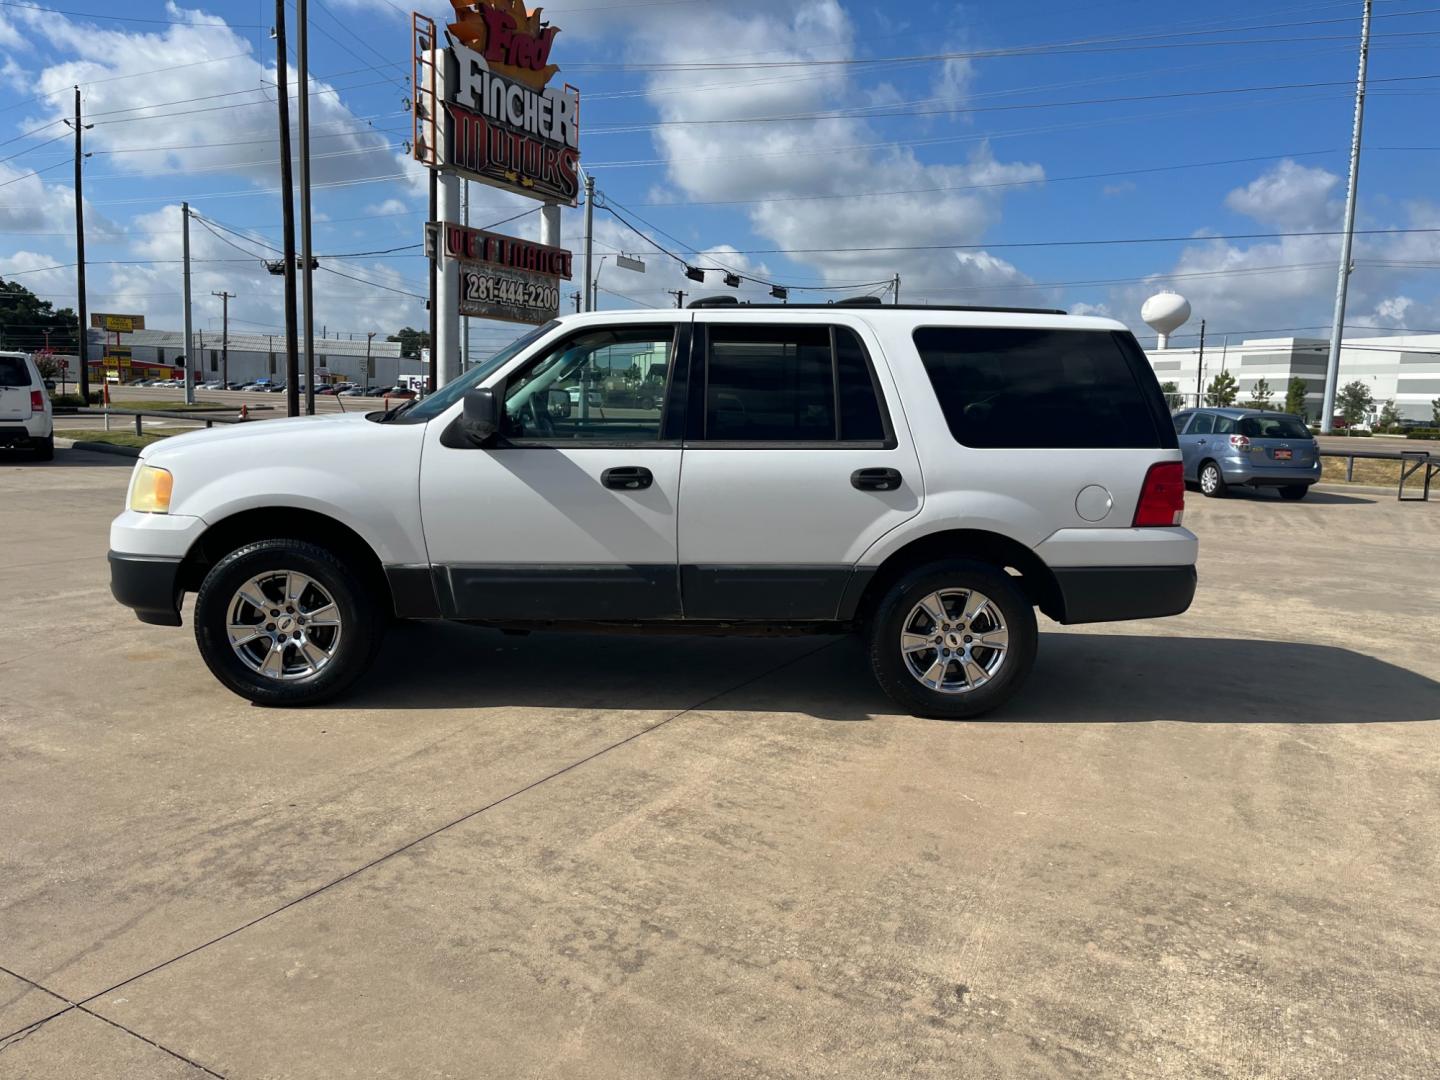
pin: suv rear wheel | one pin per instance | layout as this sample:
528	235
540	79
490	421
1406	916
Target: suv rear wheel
952	640
44	449
284	622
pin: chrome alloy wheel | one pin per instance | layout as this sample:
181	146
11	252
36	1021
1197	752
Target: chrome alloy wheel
1209	479
954	641
283	625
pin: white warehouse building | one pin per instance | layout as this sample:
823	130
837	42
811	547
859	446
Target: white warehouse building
250	357
1404	368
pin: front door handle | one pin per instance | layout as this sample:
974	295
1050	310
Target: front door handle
875	479
627	478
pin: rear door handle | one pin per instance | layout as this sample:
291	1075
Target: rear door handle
627	478
875	479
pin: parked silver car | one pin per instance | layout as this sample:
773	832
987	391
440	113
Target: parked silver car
1225	448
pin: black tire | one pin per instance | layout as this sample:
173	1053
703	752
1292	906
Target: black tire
1294	492
894	612
44	449
1211	475
359	634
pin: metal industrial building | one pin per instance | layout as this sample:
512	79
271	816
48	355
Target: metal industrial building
1404	369
157	353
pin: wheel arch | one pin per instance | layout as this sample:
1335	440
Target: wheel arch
311	526
1035	578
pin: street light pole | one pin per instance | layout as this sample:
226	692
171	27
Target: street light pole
224	336
302	53
287	213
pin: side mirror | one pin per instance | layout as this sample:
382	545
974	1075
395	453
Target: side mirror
49	384
558	402
480	420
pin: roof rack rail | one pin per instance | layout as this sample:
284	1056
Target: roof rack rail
868	301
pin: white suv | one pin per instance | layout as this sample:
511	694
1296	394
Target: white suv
26	417
925	476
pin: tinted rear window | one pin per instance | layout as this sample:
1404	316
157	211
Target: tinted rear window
1273	427
1049	389
13	371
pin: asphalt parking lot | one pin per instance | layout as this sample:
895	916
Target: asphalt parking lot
1197	847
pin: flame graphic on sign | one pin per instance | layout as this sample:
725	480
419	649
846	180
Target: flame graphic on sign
471	28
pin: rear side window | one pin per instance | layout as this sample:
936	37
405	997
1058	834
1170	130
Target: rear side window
1273	427
1224	425
789	383
1039	388
1204	424
13	371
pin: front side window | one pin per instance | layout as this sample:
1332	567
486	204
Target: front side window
789	383
601	385
1020	387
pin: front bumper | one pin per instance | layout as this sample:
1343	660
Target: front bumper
150	584
1091	594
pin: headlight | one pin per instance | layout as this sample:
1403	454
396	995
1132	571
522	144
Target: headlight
150	494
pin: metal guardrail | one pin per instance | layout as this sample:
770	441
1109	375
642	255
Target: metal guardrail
1411	462
203	416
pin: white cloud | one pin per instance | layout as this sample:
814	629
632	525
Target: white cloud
1289	196
152	125
1125	187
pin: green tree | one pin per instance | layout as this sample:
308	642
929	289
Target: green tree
1222	390
1260	395
1172	398
25	320
1389	416
1435	410
411	341
1295	397
1353	402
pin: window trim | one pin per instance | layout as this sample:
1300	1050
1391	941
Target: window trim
700	392
679	352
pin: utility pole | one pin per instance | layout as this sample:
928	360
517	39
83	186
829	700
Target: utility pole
576	297
589	237
1342	285
189	333
369	371
83	344
897	289
1200	367
287	207
679	295
224	336
302	53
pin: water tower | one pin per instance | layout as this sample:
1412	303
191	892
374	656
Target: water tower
1165	313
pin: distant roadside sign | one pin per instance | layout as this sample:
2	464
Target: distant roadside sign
117	324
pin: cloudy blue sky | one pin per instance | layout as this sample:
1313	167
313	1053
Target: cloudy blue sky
819	143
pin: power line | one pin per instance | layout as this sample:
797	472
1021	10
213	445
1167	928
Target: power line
222	25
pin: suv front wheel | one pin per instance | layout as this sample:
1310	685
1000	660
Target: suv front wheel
953	640
284	622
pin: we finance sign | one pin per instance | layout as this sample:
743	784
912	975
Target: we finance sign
497	118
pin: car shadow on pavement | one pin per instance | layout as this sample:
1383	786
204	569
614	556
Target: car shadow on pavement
1314	498
1078	678
66	459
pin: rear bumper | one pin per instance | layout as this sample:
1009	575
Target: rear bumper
1241	473
149	584
1116	593
17	433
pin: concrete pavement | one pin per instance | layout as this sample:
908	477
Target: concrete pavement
1193	847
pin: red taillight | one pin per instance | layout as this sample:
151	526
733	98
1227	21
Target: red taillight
1240	442
1162	497
37	400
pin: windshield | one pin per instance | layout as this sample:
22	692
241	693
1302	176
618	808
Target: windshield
437	403
1273	427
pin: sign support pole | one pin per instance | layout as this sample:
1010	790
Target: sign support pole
307	298
287	217
589	240
82	343
189	337
447	286
465	323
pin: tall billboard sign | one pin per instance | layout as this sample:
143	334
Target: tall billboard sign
484	108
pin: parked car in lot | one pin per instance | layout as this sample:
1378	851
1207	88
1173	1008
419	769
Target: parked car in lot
26	419
1225	448
925	477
